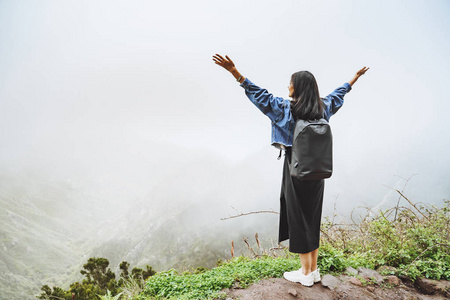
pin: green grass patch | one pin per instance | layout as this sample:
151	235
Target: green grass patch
207	285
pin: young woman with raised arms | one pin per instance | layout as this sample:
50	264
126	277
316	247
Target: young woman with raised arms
300	200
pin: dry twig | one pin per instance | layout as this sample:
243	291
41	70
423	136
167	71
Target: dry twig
250	213
409	201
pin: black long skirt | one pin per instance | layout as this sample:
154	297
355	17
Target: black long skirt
300	211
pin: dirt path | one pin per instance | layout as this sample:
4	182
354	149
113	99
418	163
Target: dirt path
345	287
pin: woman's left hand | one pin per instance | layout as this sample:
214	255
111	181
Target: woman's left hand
362	71
357	75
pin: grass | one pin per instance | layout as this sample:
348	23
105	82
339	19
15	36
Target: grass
207	285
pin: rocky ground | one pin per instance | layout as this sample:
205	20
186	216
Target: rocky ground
356	284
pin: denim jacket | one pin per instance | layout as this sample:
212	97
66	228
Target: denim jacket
279	110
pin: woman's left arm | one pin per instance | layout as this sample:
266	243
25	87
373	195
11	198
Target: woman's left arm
357	75
334	101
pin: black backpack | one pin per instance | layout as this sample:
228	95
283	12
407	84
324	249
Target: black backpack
312	147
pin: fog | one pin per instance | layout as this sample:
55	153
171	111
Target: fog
120	137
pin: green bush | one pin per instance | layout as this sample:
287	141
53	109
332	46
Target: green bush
415	240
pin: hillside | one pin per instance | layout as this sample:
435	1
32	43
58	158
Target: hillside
407	245
50	227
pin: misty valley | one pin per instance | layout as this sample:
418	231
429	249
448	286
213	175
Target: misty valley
49	229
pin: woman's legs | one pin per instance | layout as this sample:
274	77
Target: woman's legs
309	261
309	265
305	258
314	255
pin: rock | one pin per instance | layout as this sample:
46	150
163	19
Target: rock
427	286
433	287
371	288
236	285
406	281
369	274
293	292
393	280
355	281
387	270
350	271
330	281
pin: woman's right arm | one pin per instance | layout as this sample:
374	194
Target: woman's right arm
272	107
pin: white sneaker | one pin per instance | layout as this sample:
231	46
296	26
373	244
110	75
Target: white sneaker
315	273
298	276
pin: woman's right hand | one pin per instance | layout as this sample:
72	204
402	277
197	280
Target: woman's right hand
225	63
228	65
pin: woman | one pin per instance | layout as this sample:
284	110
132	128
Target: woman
300	201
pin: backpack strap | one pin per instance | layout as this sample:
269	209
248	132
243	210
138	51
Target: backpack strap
282	147
279	156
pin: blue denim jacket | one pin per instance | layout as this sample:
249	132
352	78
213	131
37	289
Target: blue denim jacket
279	110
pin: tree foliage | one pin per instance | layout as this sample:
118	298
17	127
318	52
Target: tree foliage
97	272
99	280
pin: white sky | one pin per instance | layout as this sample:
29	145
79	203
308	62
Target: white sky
91	86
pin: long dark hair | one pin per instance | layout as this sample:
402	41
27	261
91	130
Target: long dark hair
306	103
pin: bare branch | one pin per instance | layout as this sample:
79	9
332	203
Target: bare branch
328	237
403	190
250	213
412	204
257	241
232	248
250	248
